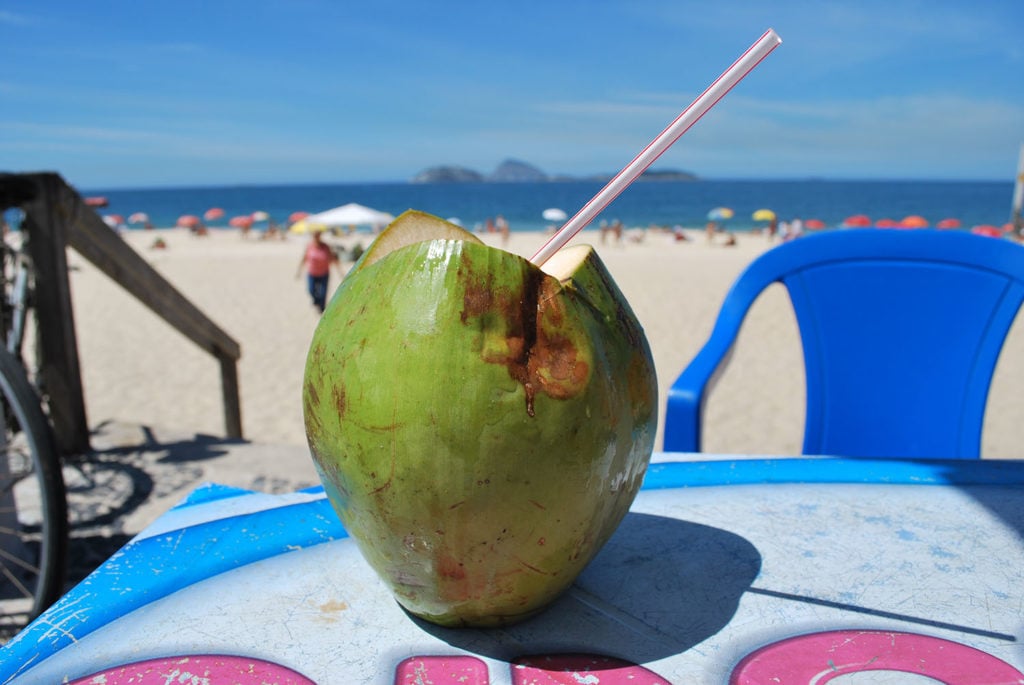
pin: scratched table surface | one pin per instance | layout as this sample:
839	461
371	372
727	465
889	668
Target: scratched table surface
731	570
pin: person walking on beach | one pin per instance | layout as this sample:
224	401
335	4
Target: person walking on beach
501	226
796	229
317	263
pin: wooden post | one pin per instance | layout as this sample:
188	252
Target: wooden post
60	372
229	387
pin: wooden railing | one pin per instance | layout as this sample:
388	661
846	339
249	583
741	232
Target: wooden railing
56	217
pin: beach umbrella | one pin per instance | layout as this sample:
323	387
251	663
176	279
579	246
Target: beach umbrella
857	220
213	213
814	224
554	214
96	202
297	216
763	215
138	218
988	230
351	214
240	221
914	221
304	226
720	214
189	221
887	223
948	223
260	216
113	220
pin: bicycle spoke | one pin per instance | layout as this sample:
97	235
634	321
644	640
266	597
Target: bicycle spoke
26	593
19	562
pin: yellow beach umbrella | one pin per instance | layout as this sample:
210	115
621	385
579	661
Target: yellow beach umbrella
764	215
305	226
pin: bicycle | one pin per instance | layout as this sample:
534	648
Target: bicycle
33	504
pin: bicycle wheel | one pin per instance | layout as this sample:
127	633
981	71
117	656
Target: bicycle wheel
33	508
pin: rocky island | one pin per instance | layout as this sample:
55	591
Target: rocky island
516	171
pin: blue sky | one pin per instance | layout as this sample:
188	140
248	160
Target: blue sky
200	92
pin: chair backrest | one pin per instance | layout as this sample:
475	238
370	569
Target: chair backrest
901	331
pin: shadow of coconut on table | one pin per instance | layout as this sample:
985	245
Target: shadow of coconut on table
657	588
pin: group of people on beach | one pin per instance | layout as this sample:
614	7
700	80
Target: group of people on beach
781	230
613	230
712	229
787	230
318	257
498	224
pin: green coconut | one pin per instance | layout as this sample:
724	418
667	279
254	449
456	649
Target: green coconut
480	426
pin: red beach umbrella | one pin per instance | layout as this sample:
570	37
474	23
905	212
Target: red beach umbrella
857	220
189	221
914	221
814	224
96	201
988	230
138	218
887	223
241	221
297	216
948	223
213	213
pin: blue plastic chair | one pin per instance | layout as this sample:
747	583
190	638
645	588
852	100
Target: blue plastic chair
900	329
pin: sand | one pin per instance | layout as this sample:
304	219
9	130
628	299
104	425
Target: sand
152	395
138	369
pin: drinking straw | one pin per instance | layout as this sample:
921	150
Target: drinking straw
687	118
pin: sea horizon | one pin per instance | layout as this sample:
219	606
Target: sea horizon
668	203
99	190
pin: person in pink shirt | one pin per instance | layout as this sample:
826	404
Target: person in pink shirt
317	263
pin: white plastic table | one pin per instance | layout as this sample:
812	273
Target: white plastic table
725	571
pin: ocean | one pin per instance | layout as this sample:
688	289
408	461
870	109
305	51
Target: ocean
644	203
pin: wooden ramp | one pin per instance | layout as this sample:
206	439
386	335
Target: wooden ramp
56	217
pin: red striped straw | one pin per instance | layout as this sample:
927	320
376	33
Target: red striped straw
687	118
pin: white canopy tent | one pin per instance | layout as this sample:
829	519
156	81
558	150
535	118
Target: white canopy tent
351	214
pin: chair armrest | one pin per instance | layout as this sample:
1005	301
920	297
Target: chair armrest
684	409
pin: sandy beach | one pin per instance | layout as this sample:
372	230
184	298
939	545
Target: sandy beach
148	388
137	369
